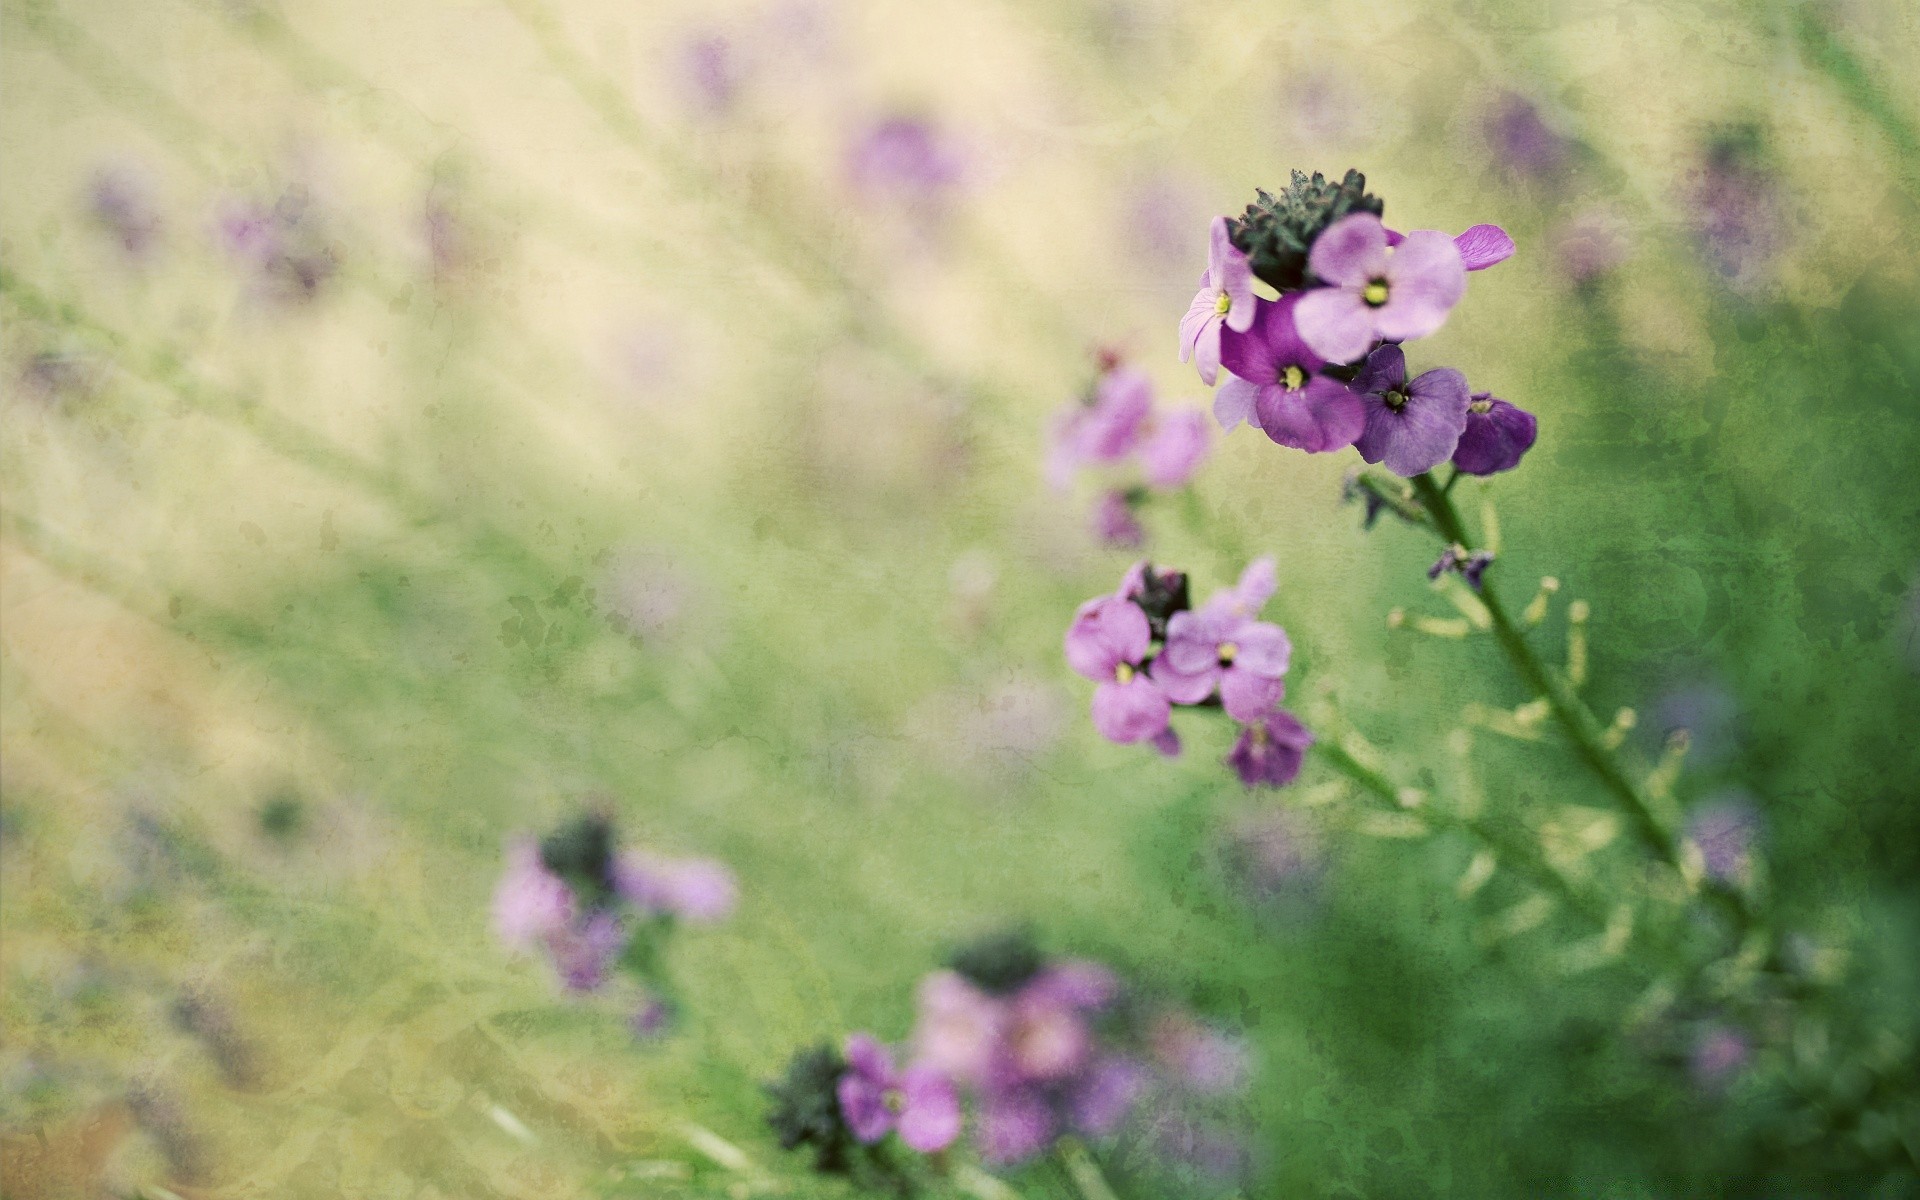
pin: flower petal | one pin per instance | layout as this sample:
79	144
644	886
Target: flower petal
1247	696
1335	323
1386	369
1263	649
1350	251
1426	278
1181	687
1249	353
1322	417
1130	712
1106	632
929	1111
1233	403
1175	449
1257	585
1496	439
1483	246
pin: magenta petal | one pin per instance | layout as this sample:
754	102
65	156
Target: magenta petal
1247	696
1182	688
1258	582
1015	1124
929	1111
1335	323
1386	369
1426	279
1167	742
1496	439
1194	637
1350	252
1130	712
1483	246
1249	354
1233	403
1263	649
864	1107
1201	311
1323	416
1106	632
1175	449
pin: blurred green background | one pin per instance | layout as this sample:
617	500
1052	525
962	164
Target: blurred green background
423	418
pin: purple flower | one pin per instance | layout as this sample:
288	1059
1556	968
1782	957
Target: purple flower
1014	1125
652	1017
906	158
1725	829
1199	1057
1173	448
1107	642
1411	429
531	901
1275	384
1225	299
1104	1094
1496	437
1270	750
959	1027
1113	521
1720	1053
1216	646
697	890
1523	142
1104	430
1470	566
713	72
584	952
1480	247
1376	291
876	1099
122	203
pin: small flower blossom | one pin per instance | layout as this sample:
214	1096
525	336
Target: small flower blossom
1719	1055
697	890
120	201
1270	750
877	1099
584	952
1724	829
960	1027
1113	522
906	158
1469	566
1497	436
1173	448
531	901
1276	384
1410	428
1215	647
1376	291
1225	300
1108	428
1107	643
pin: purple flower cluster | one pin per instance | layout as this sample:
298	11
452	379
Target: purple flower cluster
1029	1053
1119	427
584	904
1319	367
1148	650
877	1098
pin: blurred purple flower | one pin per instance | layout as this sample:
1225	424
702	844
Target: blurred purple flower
121	202
1375	291
1523	143
1113	522
1497	435
584	952
1199	1057
1411	428
959	1027
652	1017
1160	214
1225	300
1274	851
876	1099
1736	207
1104	1094
1588	245
1106	643
905	159
531	902
696	890
1174	447
283	243
1720	1054
1726	829
1214	646
1275	384
1014	1124
1270	750
1708	713
712	72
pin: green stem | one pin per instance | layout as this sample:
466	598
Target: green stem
1573	716
1085	1173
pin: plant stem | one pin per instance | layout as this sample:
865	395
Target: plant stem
1084	1172
1581	726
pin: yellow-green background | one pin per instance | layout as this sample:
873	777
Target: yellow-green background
361	552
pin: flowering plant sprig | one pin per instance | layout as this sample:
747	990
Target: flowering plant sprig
1118	431
592	909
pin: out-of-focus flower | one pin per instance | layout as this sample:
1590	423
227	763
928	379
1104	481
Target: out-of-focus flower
698	890
1275	383
1523	143
1174	447
1708	713
1376	291
1274	852
1588	245
1725	828
1159	217
1200	1058
531	901
584	951
906	159
1113	522
1412	428
1736	206
1270	750
1225	300
120	201
1497	436
283	243
1107	643
876	1099
1719	1055
960	1027
712	72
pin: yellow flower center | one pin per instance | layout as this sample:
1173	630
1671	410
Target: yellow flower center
1123	673
1396	400
1481	406
1375	293
1291	377
1224	303
1228	652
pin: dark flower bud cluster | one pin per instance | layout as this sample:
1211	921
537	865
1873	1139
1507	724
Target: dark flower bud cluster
1276	232
806	1107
